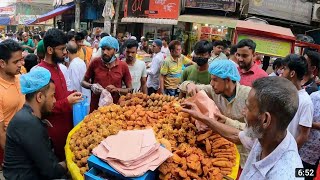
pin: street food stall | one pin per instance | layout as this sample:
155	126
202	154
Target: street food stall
271	40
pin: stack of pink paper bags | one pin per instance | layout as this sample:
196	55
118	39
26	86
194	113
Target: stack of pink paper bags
132	153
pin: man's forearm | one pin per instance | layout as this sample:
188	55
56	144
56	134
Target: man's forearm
86	84
161	83
316	125
228	132
3	140
301	139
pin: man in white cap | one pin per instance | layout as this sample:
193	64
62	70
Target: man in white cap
28	148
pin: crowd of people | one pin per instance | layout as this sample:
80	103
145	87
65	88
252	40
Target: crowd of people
275	121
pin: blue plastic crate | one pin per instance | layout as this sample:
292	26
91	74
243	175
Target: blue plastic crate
92	175
96	163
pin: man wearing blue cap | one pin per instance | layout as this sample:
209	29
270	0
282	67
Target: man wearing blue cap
227	93
153	81
28	148
107	72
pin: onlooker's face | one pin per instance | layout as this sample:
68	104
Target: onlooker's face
107	53
13	66
164	43
25	37
177	51
227	52
131	53
311	68
50	100
35	41
287	73
155	48
253	127
218	84
144	43
245	57
218	49
59	53
79	43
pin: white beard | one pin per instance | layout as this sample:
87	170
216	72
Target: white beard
253	132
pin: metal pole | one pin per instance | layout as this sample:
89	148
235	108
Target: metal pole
77	15
115	23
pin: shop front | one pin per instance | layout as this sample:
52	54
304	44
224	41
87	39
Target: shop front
157	18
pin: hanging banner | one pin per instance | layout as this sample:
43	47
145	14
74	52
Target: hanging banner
292	10
9	10
224	5
162	9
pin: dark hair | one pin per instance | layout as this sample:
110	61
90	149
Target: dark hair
233	50
70	35
7	47
79	36
219	43
247	42
296	63
130	43
30	60
104	34
42	34
165	39
277	63
36	37
173	44
314	58
53	38
202	47
30	96
84	32
97	36
72	48
279	97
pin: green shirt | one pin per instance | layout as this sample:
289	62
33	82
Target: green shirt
28	43
192	73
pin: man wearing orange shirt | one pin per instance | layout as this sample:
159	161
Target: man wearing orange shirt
11	98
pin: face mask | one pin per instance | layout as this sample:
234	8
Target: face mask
109	60
66	59
200	60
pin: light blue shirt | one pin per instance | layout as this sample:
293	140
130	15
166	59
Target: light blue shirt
280	164
154	71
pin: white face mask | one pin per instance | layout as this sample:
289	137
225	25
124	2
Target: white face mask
66	59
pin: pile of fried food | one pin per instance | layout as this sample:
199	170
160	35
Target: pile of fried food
196	155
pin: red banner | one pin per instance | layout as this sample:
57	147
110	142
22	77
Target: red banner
166	9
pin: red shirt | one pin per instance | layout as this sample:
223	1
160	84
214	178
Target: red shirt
254	73
98	72
61	117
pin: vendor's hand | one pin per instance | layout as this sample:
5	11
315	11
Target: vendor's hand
221	118
192	89
63	164
96	88
193	110
74	98
111	88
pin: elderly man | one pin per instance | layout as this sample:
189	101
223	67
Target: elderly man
228	94
28	149
271	105
27	43
107	72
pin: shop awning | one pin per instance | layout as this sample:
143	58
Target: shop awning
150	20
4	20
214	20
51	14
247	27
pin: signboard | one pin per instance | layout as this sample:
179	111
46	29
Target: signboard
9	10
24	18
225	5
292	10
164	9
269	46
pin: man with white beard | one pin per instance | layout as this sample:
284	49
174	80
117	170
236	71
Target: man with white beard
270	107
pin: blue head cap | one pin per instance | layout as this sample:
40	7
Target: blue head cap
109	41
224	69
36	79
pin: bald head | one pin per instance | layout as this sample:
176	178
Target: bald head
25	37
72	47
